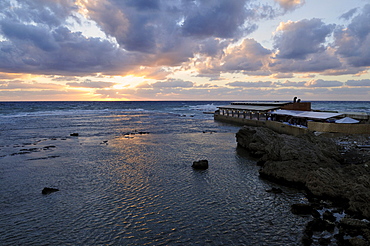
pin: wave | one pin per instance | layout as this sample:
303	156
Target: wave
204	107
68	112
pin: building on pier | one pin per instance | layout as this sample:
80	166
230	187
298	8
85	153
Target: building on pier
293	118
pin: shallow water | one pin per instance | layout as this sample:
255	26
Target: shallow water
118	187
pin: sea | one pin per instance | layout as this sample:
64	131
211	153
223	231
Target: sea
124	177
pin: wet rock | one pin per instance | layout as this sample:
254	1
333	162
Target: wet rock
301	209
356	242
275	190
287	158
48	190
201	164
75	134
307	239
315	213
310	162
353	227
261	163
324	241
318	225
327	215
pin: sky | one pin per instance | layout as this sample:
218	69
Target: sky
139	50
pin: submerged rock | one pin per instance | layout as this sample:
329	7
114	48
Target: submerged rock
48	190
201	164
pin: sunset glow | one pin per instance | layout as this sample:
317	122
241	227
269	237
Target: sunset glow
180	50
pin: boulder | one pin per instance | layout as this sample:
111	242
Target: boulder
48	190
353	227
201	164
327	215
301	209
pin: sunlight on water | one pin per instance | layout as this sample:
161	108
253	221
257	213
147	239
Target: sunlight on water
130	182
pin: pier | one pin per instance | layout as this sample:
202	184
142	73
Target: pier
294	118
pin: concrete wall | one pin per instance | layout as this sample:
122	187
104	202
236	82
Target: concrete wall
273	125
342	128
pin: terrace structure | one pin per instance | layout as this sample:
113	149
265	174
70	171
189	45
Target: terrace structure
294	118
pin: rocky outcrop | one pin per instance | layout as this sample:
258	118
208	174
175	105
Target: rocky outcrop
312	162
201	164
287	158
48	190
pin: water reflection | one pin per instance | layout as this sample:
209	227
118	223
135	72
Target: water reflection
166	201
143	191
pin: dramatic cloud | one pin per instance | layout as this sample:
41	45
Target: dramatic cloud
22	85
251	84
224	18
7	76
246	57
290	4
363	82
172	83
317	62
353	42
296	40
249	56
348	15
178	49
288	83
323	83
92	84
64	78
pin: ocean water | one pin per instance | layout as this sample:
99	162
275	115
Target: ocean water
342	106
126	179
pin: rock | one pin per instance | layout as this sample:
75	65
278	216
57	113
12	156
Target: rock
328	216
311	162
48	190
306	239
301	209
75	134
284	157
353	226
261	163
275	190
315	214
357	242
201	164
318	225
324	241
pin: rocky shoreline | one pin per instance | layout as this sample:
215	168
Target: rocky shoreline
332	170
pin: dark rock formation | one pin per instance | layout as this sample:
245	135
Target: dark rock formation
311	162
288	158
302	209
48	190
275	190
201	164
328	216
75	134
319	165
353	227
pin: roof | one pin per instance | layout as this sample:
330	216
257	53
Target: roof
249	107
261	103
347	120
307	114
